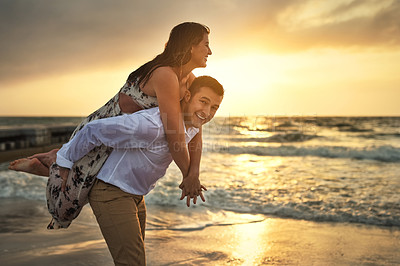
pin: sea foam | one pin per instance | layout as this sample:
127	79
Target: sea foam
380	153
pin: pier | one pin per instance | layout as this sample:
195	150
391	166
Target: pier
25	140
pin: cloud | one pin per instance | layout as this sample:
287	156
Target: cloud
372	25
50	37
355	24
44	37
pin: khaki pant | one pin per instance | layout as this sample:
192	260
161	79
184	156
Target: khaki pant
122	219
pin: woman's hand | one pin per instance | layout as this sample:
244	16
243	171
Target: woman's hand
191	188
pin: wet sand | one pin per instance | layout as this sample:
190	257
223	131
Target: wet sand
24	240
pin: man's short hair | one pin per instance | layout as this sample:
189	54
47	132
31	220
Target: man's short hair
206	81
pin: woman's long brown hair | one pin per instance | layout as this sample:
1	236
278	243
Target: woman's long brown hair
177	51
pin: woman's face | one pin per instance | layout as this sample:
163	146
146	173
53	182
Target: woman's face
200	52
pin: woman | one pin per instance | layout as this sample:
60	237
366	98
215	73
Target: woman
160	82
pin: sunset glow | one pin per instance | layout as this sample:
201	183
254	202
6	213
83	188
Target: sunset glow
274	58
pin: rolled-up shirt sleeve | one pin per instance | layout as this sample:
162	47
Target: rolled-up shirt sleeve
121	132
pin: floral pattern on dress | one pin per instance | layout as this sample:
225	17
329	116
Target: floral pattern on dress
66	206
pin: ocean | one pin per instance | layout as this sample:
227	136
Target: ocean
323	169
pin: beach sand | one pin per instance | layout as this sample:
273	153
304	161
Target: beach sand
244	239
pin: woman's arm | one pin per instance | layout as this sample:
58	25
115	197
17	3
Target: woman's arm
166	86
195	146
191	182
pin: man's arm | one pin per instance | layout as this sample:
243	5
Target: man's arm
121	132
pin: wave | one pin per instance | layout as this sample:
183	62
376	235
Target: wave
377	211
306	212
198	225
22	185
280	138
354	129
380	135
379	153
224	202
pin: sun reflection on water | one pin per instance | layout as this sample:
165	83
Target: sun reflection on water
255	173
250	244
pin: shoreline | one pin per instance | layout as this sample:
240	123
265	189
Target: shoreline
270	240
278	241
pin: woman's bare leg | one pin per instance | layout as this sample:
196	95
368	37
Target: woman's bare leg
32	166
37	164
46	158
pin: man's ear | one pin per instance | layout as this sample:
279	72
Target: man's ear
187	96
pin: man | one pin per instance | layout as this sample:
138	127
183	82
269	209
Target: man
139	158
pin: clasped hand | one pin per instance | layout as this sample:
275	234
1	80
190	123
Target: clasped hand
191	188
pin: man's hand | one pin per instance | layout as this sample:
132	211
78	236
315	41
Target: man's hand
64	175
191	188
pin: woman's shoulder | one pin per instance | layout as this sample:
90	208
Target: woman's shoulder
164	75
164	71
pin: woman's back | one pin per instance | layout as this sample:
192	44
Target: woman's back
137	100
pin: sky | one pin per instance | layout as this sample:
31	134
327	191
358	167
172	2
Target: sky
273	57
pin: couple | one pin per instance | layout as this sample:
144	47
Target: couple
162	82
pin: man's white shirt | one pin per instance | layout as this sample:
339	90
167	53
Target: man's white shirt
140	153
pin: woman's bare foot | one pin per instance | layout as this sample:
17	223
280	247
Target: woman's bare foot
46	158
32	166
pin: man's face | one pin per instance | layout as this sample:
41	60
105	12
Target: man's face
200	107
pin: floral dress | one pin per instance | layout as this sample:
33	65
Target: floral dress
66	206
